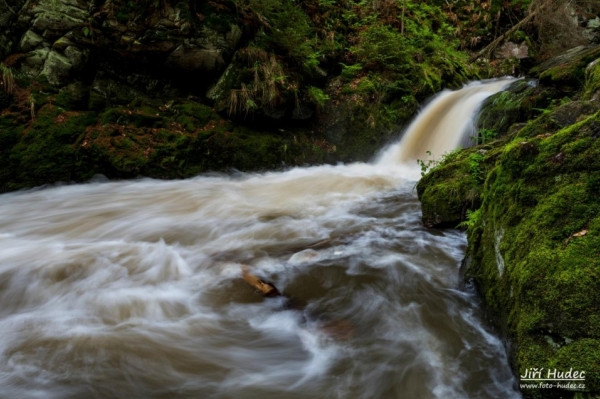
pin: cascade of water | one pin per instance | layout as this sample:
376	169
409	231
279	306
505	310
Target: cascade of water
444	124
134	289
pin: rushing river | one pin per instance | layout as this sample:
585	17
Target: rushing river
135	290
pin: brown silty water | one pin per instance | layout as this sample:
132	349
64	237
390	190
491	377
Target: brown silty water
134	289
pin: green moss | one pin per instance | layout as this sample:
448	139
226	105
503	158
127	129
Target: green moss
200	112
46	151
452	189
592	81
138	118
539	219
570	75
448	191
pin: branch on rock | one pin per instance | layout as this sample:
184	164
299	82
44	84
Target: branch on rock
492	46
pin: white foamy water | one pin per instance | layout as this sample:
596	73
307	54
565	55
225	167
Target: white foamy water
134	289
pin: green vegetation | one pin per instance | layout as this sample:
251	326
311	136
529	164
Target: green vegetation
541	209
178	141
484	136
391	54
451	187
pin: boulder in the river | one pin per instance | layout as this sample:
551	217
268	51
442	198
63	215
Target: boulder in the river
452	188
307	255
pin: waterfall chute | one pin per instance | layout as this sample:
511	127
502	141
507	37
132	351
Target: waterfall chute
443	125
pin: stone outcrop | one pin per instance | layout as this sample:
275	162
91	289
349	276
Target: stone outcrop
535	232
117	88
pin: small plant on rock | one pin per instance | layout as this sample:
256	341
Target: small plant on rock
8	79
427	165
484	136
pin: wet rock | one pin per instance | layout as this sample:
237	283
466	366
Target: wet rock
30	41
233	37
308	255
62	44
9	17
516	104
564	58
512	50
226	82
60	67
58	15
192	58
207	52
346	122
34	62
592	81
449	190
567	71
569	113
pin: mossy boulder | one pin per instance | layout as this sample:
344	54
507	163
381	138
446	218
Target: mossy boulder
521	101
61	66
535	248
452	188
534	230
592	81
567	71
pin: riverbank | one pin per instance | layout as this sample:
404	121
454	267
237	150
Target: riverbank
529	199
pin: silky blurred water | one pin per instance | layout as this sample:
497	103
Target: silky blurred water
133	289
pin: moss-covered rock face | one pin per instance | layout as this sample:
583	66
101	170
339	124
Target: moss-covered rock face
534	238
181	142
349	75
174	140
535	247
523	100
592	81
567	71
452	189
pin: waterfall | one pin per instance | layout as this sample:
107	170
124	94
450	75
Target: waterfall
138	289
444	124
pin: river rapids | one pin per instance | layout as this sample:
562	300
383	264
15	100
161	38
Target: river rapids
134	289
